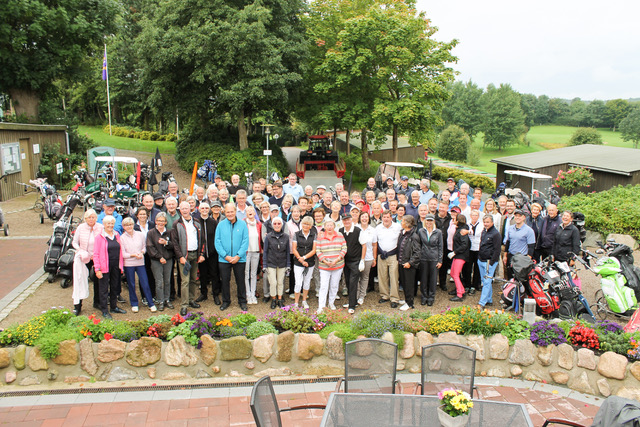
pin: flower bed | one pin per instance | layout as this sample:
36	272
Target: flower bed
52	327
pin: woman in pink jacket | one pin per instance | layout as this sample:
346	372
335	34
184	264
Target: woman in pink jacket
108	263
134	247
83	242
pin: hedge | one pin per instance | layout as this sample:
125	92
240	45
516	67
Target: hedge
143	135
441	173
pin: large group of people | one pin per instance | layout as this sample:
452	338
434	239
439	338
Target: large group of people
411	241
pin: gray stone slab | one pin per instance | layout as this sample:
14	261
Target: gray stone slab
204	393
553	388
18	401
490	381
172	394
95	397
317	387
239	391
134	396
288	389
510	382
57	399
586	398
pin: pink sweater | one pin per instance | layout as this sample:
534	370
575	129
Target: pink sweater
101	254
133	245
83	242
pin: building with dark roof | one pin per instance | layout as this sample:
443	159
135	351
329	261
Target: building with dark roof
611	166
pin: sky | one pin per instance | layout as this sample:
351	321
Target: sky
562	48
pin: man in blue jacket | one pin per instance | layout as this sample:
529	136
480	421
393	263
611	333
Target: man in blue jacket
232	242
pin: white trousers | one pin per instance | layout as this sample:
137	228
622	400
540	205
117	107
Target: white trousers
329	282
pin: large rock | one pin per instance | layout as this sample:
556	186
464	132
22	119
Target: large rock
173	376
263	347
87	358
560	377
110	351
10	376
121	374
179	353
424	338
409	349
143	352
364	348
30	380
592	238
5	358
565	356
498	347
52	375
586	359
603	387
309	345
235	348
284	346
629	393
625	239
612	365
274	372
324	370
476	342
36	361
516	371
335	347
522	353
209	350
68	353
581	384
19	357
532	376
635	370
359	363
545	354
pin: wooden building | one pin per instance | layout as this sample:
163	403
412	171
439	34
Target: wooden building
21	147
610	166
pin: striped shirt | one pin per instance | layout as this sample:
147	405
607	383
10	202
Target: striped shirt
330	249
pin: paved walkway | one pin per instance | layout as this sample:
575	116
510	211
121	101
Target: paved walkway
21	257
229	406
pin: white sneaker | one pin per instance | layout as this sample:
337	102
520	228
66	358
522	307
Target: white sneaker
351	311
404	307
346	305
134	308
360	301
319	311
292	296
295	304
337	297
153	309
332	307
304	304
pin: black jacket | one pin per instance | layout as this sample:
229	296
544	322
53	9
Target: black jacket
442	224
461	244
409	251
548	233
154	249
209	233
354	247
304	246
566	240
276	250
490	245
431	248
536	225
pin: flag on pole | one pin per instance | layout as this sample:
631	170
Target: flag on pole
104	64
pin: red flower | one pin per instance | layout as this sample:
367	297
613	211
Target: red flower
108	336
96	321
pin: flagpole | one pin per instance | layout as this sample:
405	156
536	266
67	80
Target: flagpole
108	96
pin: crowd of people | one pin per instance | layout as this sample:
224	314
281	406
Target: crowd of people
409	241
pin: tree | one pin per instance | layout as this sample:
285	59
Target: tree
453	144
528	105
542	110
630	127
504	120
464	108
558	110
43	40
586	136
617	109
577	113
595	113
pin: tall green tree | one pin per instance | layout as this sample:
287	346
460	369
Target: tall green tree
43	40
630	127
528	105
617	109
542	110
464	108
504	120
558	110
595	113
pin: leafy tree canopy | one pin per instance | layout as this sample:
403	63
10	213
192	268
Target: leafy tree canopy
630	127
504	120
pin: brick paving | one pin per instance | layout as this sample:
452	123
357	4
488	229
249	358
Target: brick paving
21	257
230	406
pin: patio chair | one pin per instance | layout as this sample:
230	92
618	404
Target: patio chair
370	367
614	412
449	363
264	404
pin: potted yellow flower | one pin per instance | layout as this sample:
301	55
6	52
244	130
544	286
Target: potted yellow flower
454	408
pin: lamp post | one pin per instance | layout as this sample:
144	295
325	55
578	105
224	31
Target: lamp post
267	152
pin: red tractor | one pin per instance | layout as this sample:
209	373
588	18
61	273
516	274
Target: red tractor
320	156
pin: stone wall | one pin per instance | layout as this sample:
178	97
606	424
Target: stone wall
303	355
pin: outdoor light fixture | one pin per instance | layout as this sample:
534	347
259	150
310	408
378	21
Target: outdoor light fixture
529	311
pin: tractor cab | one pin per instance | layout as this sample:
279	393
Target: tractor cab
320	155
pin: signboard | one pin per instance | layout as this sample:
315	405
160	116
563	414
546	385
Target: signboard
267	152
10	158
59	168
36	148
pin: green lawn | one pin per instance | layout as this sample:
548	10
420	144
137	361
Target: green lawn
104	139
540	138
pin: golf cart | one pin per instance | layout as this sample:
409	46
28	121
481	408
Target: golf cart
115	177
540	186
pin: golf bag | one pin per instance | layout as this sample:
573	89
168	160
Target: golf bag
163	186
624	254
53	204
59	243
65	267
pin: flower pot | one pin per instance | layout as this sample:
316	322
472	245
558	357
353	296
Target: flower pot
447	420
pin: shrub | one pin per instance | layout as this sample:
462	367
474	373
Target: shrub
258	329
353	164
185	330
573	178
516	329
243	320
473	155
154	136
441	173
372	324
616	210
52	336
617	342
124	331
294	319
583	336
586	136
603	327
544	333
200	325
453	144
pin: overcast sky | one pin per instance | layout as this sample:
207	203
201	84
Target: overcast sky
561	48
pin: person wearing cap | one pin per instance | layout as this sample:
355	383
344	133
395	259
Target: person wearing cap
148	203
158	201
404	186
109	208
387	233
321	189
488	259
425	191
216	209
431	248
389	183
408	259
452	189
188	246
355	215
275	260
352	259
292	187
209	270
519	239
232	243
267	226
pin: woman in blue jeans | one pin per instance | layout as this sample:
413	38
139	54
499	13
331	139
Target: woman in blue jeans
134	246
